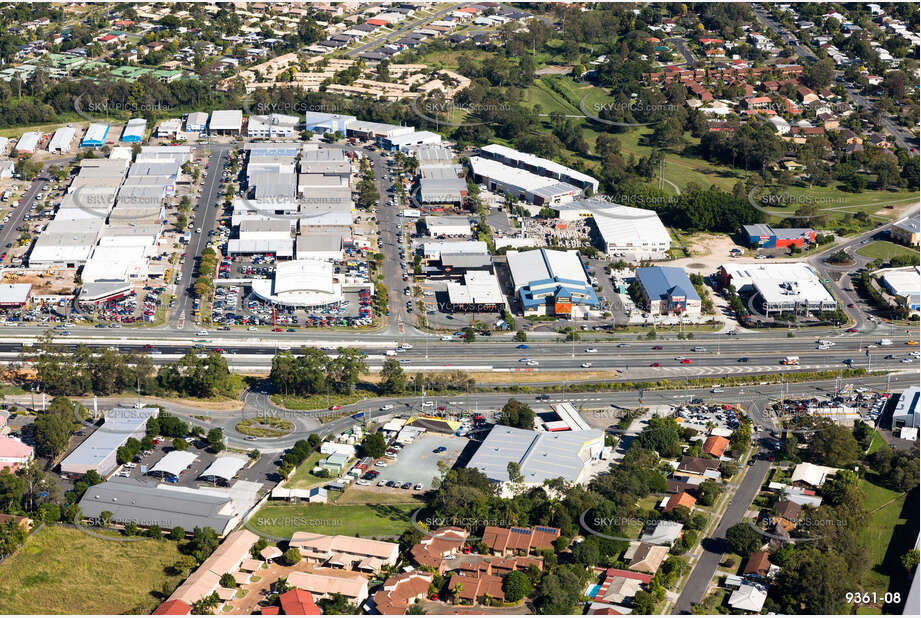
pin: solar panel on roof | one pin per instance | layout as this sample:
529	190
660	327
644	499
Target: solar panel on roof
545	529
521	530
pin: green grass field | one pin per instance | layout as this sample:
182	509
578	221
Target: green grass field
885	250
302	478
64	571
377	520
887	536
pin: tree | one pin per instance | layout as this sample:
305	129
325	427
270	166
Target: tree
514	472
743	539
469	335
206	605
586	552
518	414
227	581
515	586
373	445
338	605
832	444
661	435
215	439
180	445
910	559
177	533
707	492
521	336
393	378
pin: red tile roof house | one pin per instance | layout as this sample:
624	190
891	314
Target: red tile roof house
298	602
715	446
472	589
522	541
173	608
758	564
683	499
14	453
400	591
23	522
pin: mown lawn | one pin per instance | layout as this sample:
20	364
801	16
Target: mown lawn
303	478
885	250
377	520
65	571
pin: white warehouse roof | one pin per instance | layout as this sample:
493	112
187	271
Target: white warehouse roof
545	265
28	142
777	283
62	139
300	283
226	120
529	160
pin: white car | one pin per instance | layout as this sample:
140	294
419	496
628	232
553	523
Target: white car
252	328
524	360
406	346
591	350
427	404
362	482
532	363
386	407
716	389
201	333
586	365
447	338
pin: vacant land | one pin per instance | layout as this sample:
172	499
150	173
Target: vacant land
885	250
64	571
887	536
303	478
377	520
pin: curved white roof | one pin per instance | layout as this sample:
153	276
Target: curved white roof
300	283
224	467
174	462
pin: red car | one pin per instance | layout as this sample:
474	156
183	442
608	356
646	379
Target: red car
335	407
657	347
276	330
851	330
686	361
655	365
850	305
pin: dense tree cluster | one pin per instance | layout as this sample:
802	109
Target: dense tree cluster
312	371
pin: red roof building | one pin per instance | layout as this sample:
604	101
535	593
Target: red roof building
715	446
297	602
173	608
506	541
683	499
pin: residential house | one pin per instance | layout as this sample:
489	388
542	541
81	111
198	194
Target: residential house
683	499
345	551
698	467
788	513
758	565
297	602
400	591
353	587
749	598
481	588
510	541
715	446
432	549
811	474
645	557
620	586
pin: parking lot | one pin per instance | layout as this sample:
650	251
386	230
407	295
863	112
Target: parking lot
417	463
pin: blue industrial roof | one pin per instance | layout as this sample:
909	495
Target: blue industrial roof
665	281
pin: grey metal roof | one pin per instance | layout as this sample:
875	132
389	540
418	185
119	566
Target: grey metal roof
146	505
120	424
540	455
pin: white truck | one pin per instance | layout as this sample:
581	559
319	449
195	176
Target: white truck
885	342
790	360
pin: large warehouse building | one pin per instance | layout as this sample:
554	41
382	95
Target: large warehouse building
905	285
479	291
300	283
528	187
226	122
667	290
785	287
98	451
540	166
623	231
769	237
540	455
549	282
